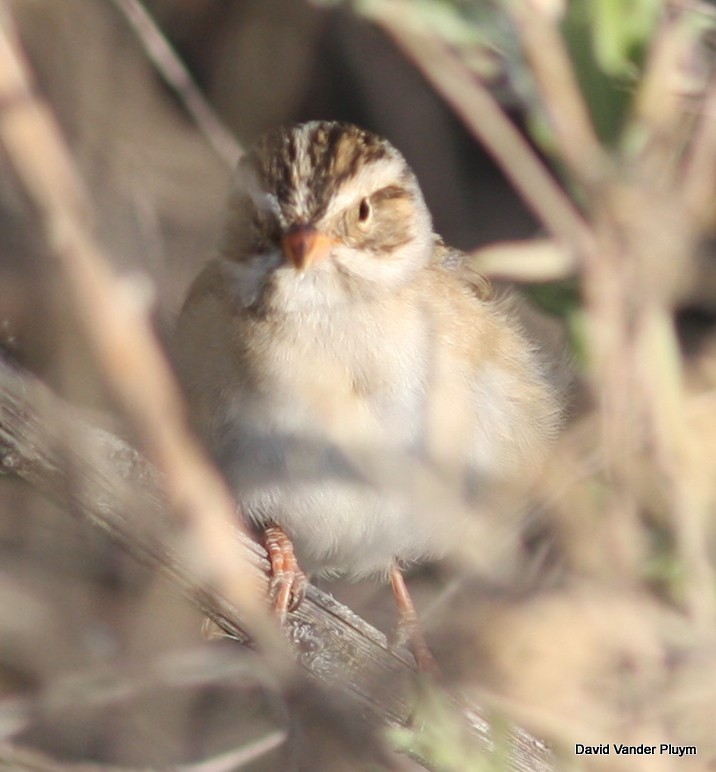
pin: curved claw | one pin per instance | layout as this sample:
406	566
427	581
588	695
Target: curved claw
288	582
288	591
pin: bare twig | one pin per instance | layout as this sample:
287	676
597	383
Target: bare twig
239	757
177	77
700	172
481	113
20	759
535	260
561	98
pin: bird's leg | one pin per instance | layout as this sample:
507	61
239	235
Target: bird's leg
288	582
409	630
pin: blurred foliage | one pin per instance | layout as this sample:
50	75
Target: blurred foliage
559	298
563	299
439	737
663	568
620	32
608	43
608	40
479	30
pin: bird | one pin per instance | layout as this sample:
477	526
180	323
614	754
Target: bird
346	370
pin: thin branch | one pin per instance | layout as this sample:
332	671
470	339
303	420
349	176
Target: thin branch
239	757
700	172
485	118
534	260
668	115
562	99
179	79
21	759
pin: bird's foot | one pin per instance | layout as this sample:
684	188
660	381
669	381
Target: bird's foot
409	631
288	582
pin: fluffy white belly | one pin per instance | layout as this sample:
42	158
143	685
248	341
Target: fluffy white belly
349	507
343	529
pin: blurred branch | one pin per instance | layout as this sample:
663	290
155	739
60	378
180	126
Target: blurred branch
238	758
99	686
484	117
659	103
534	260
700	170
679	153
555	80
178	78
114	316
45	442
23	760
644	235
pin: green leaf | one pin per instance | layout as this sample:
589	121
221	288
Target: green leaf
621	30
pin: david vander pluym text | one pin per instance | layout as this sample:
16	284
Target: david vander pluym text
606	749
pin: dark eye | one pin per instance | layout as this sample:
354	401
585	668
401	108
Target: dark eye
364	210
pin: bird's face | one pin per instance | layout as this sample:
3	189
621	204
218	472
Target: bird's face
323	214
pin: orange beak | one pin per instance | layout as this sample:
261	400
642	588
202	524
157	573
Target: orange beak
304	246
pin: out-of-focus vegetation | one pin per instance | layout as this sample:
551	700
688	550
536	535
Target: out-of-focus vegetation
602	630
611	641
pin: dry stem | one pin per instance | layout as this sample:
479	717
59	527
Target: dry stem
176	75
114	316
481	113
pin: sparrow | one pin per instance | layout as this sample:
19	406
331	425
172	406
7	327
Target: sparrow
349	377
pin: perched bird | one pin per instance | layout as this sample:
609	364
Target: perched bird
336	358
